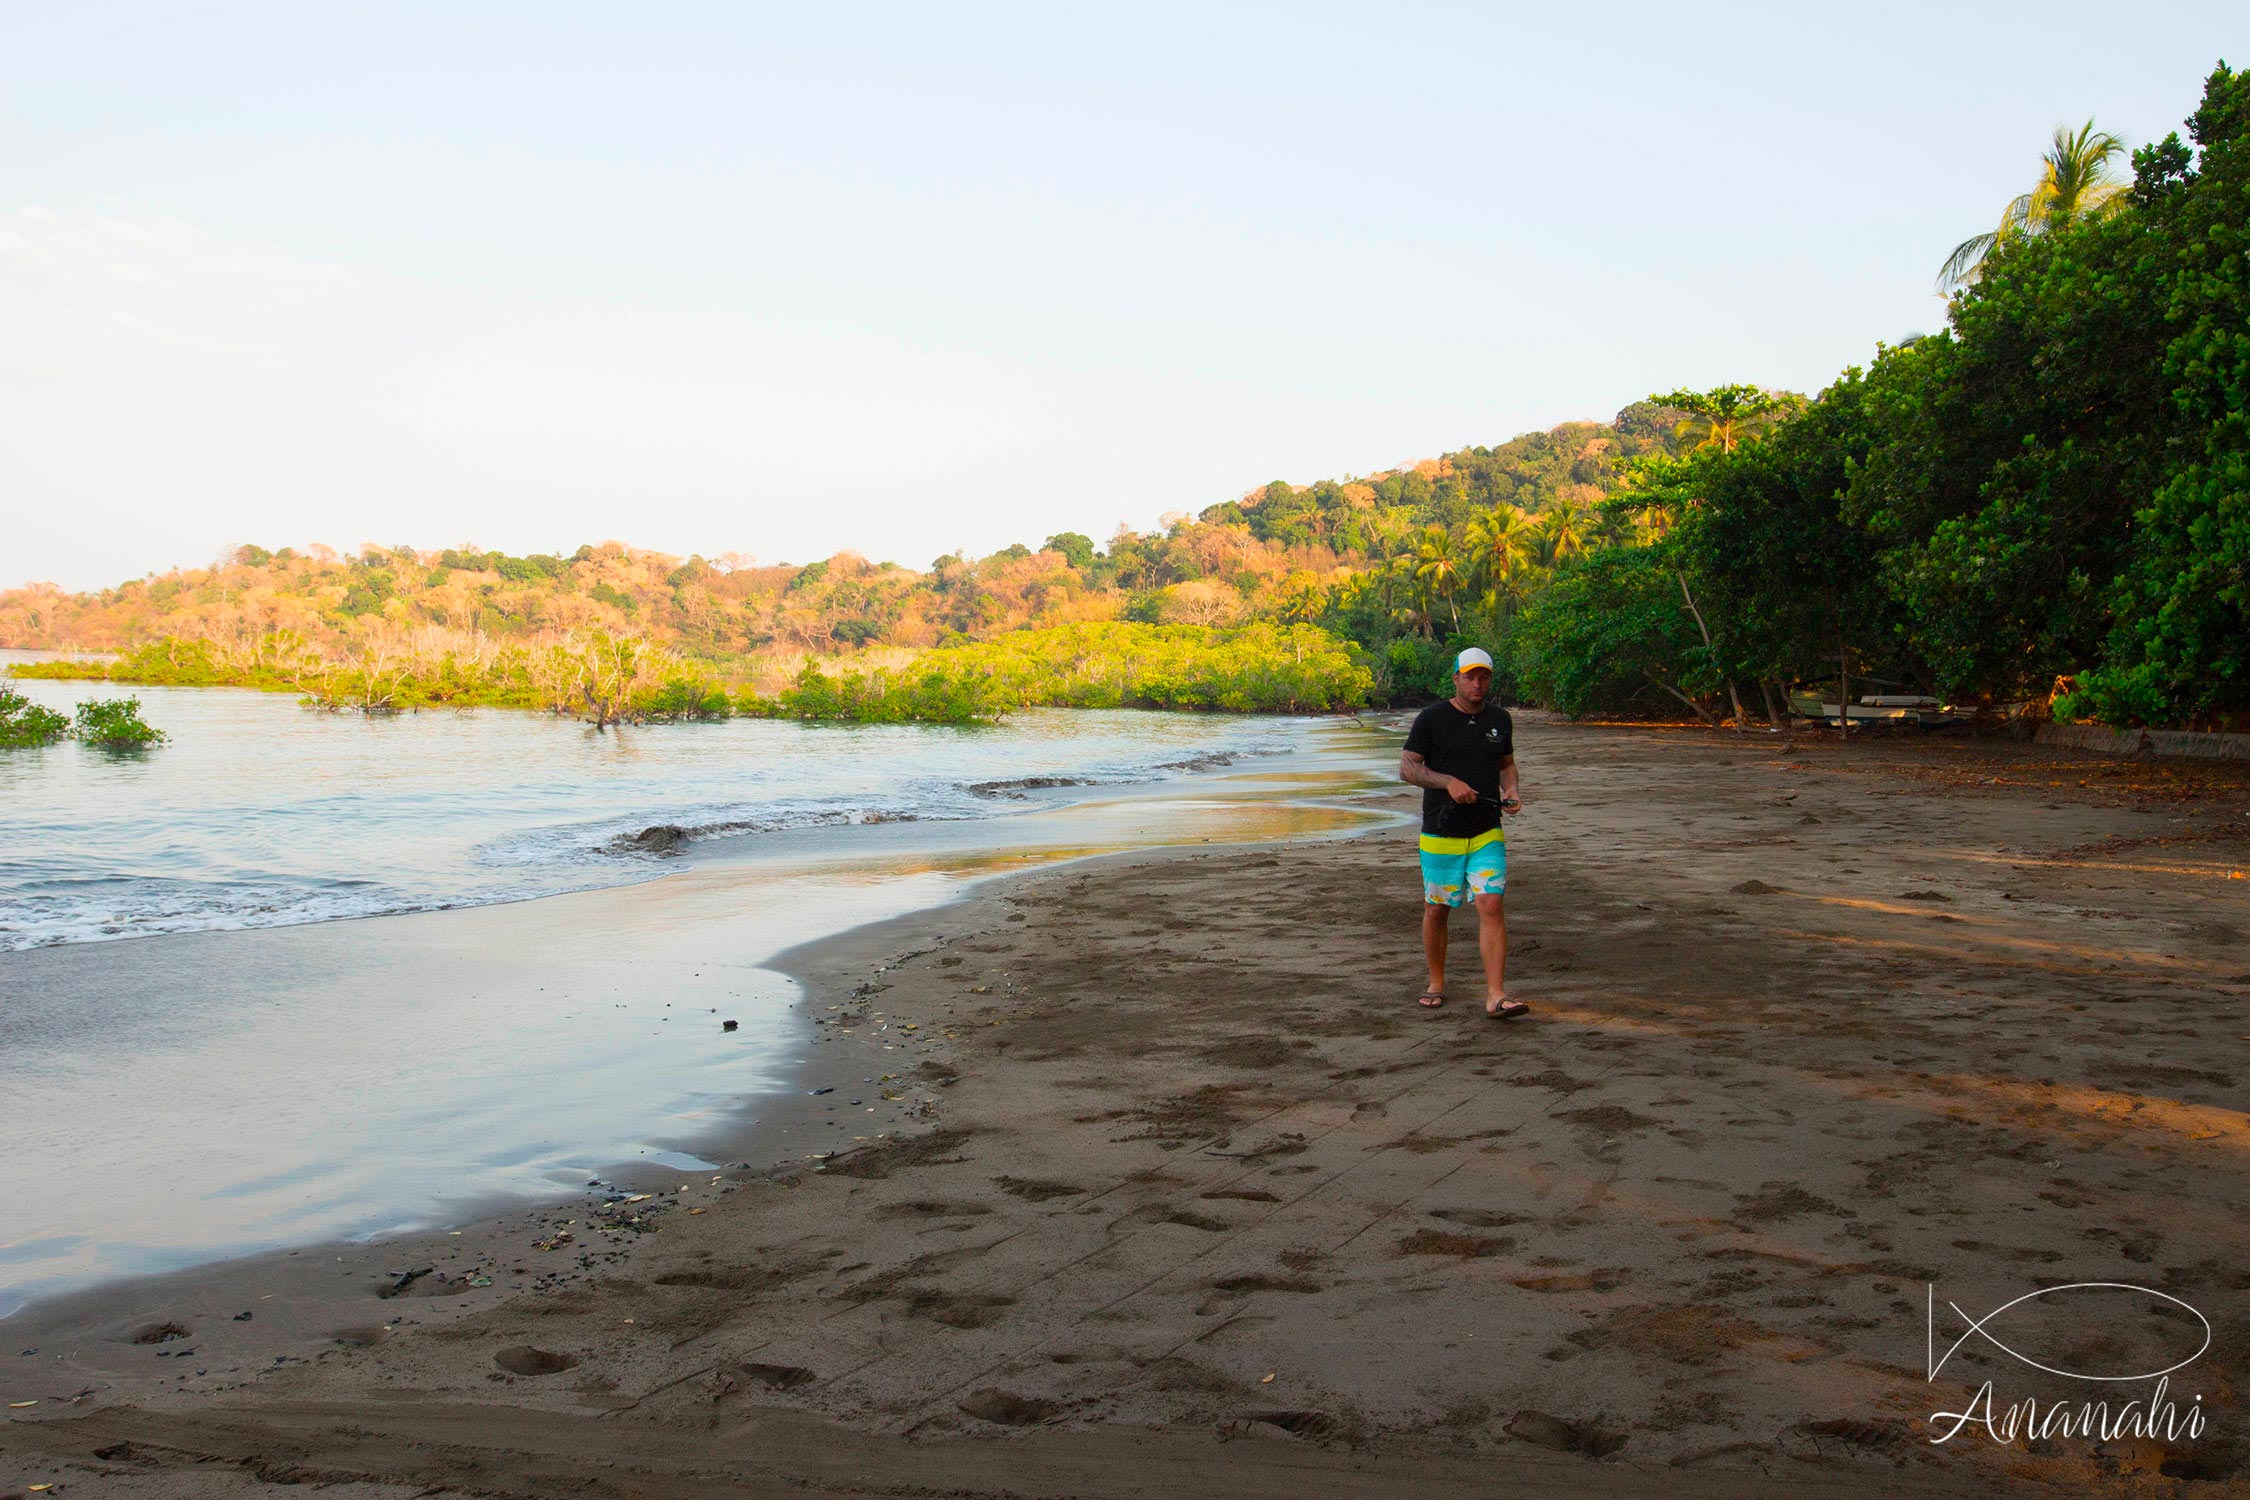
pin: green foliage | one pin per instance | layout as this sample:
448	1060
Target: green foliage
2006	459
24	723
1783	580
1611	634
104	723
2055	485
165	662
115	724
1727	417
1249	669
1076	549
1414	668
1256	668
684	700
366	596
2178	649
539	565
1578	461
913	696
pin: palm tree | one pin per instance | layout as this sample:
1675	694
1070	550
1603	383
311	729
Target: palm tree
1650	523
1387	531
1613	527
1304	600
1502	543
1395	588
1438	564
1724	418
2076	182
1564	531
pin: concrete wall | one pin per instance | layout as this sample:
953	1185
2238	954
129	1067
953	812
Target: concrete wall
2146	741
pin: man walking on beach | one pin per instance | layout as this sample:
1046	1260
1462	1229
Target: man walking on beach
1462	753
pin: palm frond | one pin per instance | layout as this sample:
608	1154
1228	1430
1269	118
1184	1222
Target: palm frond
1960	267
2076	181
2104	199
2020	214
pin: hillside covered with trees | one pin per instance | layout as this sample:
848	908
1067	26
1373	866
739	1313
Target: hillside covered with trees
2049	501
1391	557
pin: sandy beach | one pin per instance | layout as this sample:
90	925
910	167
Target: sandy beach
1167	1186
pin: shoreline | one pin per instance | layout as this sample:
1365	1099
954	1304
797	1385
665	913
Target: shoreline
784	1121
356	1078
1806	1025
331	1281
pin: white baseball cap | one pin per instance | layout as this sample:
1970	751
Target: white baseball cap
1475	656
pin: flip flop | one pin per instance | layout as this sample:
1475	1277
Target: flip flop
1431	999
1508	1011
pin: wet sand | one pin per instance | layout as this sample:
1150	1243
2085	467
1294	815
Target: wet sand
1181	1194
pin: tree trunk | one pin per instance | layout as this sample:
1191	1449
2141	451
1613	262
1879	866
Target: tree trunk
1773	712
1843	686
1741	719
1700	712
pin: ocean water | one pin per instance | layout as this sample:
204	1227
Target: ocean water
213	1092
262	812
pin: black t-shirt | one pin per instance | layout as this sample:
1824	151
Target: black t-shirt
1453	743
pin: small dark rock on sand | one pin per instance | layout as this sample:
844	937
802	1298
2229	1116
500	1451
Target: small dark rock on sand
1016	786
660	838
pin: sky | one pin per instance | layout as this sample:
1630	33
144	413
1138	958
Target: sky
780	280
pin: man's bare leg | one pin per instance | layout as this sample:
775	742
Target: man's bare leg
1433	949
1492	943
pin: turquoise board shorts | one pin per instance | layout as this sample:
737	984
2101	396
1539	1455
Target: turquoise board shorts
1455	870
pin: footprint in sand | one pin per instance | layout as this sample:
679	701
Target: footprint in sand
1036	1190
1007	1408
1261	1282
1604	1280
780	1377
1607	1119
158	1333
1304	1424
523	1359
926	1209
1593	1438
959	1309
1776	1201
1445	1242
1189	1220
